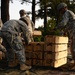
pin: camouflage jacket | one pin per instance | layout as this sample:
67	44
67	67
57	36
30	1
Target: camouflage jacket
29	22
68	21
15	27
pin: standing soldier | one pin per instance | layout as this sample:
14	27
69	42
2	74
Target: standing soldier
68	24
25	18
11	36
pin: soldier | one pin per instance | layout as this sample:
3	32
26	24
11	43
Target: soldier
2	51
2	48
11	36
25	18
1	24
68	24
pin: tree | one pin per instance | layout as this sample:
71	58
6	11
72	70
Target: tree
44	4
5	10
33	11
34	3
51	6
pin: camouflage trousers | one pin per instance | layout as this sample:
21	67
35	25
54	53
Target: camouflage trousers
72	37
14	45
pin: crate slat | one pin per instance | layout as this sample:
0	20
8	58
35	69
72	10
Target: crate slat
37	55
55	47
55	39
37	62
38	46
55	55
56	63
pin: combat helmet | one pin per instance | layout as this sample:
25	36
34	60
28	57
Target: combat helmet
61	5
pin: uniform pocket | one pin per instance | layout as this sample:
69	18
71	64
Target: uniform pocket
17	43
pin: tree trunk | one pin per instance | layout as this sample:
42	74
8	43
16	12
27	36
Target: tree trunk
33	11
4	10
45	19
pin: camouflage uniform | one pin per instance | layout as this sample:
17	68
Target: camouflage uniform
25	18
68	24
2	48
12	40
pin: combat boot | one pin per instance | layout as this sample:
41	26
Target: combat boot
24	67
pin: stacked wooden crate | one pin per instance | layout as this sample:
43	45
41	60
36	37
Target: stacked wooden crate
29	52
55	51
34	53
38	53
51	52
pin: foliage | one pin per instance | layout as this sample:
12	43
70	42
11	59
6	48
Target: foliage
51	27
50	30
38	38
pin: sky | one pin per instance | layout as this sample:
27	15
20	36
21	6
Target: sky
16	6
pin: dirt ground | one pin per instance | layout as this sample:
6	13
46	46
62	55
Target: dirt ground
67	69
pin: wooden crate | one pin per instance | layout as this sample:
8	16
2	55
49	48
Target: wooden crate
55	55
55	47
28	55
29	62
29	47
55	39
56	63
37	33
37	62
37	55
38	46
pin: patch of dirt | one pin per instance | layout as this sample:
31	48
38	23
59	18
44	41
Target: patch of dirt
67	69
